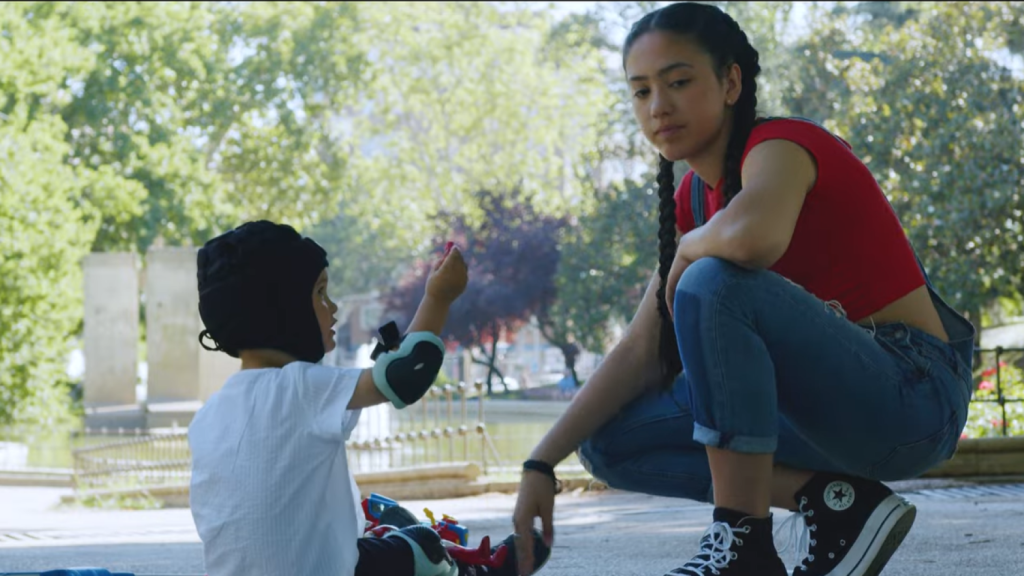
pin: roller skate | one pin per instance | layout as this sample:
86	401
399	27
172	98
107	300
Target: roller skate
499	560
386	518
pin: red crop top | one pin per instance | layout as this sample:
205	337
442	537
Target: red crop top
848	244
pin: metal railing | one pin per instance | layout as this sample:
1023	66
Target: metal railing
140	460
430	432
446	426
438	429
1001	382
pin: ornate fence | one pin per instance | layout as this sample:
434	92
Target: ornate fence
438	429
997	407
141	460
446	426
441	428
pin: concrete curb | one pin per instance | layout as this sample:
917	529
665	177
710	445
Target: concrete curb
977	460
983	457
37	478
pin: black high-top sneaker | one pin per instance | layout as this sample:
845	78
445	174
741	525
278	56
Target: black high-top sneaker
735	545
852	525
509	566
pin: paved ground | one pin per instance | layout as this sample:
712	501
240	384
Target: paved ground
958	532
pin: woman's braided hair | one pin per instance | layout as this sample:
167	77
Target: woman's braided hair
720	35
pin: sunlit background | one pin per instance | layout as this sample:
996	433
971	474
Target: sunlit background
131	132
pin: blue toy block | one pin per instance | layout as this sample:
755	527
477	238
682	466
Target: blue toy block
378	504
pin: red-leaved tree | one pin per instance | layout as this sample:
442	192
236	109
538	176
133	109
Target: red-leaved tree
512	256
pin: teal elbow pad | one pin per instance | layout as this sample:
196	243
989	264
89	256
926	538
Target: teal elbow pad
403	376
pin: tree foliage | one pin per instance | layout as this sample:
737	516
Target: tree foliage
461	97
221	112
470	96
608	259
512	255
44	230
124	125
923	96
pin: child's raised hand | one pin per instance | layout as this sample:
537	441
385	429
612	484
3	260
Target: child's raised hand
449	277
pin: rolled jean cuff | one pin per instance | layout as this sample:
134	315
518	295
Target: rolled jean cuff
733	443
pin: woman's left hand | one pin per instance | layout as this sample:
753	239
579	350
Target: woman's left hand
679	265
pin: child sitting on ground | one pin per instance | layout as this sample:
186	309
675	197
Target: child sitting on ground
271	493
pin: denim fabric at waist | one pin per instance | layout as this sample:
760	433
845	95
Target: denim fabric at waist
939	355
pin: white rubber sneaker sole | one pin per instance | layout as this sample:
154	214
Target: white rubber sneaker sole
883	533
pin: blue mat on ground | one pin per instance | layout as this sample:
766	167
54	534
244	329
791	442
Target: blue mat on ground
70	572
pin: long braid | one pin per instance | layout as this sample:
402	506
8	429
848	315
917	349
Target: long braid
668	349
744	114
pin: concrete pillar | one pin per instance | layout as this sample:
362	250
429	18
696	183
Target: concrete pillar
172	325
111	329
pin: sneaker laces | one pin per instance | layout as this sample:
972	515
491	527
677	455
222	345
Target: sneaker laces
715	550
799	536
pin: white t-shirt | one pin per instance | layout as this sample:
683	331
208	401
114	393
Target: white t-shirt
271	491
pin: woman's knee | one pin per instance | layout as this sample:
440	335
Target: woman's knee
699	290
589	456
596	462
632	475
707	275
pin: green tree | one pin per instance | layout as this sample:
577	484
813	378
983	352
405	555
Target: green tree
461	97
220	111
125	123
938	118
608	256
512	256
610	247
365	255
764	23
469	96
45	229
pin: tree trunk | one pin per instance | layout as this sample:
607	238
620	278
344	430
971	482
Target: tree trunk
570	352
492	369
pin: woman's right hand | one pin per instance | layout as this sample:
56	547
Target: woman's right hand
536	498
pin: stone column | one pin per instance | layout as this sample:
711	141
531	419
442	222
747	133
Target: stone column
172	325
111	329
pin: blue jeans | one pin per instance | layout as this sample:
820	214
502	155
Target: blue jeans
770	368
